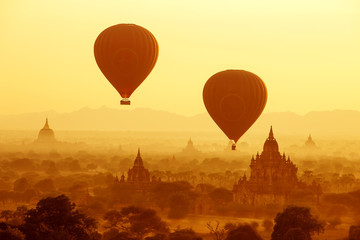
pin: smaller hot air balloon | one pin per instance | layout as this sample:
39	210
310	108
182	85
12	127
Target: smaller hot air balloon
126	54
234	99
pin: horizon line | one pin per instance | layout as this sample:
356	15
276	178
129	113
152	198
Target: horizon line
46	112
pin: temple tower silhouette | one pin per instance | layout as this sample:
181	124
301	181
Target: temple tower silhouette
138	174
272	176
309	142
46	134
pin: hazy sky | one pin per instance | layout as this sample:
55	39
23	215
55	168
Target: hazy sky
307	52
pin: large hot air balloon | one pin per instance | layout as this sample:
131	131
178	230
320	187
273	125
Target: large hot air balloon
234	99
126	54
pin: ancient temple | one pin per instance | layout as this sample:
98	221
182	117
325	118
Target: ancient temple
189	150
46	134
272	177
190	146
309	142
138	174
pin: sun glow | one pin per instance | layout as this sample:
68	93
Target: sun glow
305	51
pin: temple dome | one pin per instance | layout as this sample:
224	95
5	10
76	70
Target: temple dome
138	173
138	160
271	144
46	134
190	149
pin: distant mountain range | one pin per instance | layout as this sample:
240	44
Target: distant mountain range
325	123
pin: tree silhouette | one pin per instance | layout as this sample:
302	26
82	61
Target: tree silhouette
221	195
179	205
162	191
113	217
354	232
55	217
115	234
295	234
45	185
21	184
216	232
8	233
28	195
121	193
6	214
52	169
14	217
136	222
242	232
18	215
184	234
294	217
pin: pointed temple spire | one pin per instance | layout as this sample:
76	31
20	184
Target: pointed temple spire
190	143
271	134
138	174
138	160
309	142
46	126
271	144
269	172
46	134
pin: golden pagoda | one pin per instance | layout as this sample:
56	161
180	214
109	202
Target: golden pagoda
46	134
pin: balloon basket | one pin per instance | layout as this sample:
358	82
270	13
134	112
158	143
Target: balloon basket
233	147
125	101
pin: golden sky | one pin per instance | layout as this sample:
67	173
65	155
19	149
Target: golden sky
307	52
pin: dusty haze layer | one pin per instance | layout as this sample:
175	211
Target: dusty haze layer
342	123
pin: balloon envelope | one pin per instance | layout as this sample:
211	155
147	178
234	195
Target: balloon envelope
126	54
234	99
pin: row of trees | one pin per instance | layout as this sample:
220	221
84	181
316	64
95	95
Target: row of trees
56	218
179	197
331	182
